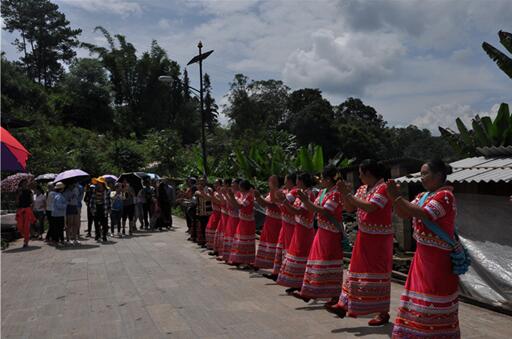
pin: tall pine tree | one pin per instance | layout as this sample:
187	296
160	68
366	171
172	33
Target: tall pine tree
46	39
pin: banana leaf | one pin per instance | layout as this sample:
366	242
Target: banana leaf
489	128
506	40
318	159
481	137
464	133
502	123
502	60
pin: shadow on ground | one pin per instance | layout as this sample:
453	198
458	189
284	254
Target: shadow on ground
364	331
22	249
80	247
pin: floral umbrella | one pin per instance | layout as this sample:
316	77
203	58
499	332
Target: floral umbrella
12	182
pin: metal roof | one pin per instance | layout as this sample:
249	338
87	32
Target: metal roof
477	169
495	151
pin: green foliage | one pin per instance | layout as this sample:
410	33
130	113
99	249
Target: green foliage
83	97
503	61
46	38
485	133
21	97
127	154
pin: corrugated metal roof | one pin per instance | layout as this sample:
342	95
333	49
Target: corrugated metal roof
477	169
495	151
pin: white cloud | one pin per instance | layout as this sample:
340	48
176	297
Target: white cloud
444	115
121	7
345	64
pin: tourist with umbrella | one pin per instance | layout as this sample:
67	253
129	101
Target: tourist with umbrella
58	214
24	215
39	209
72	195
89	188
100	208
50	196
128	206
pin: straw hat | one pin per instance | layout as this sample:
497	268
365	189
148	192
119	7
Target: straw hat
60	185
101	180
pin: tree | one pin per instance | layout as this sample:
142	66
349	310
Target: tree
255	106
21	97
46	38
210	107
503	61
353	111
83	97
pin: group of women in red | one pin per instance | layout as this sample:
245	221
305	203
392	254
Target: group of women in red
301	244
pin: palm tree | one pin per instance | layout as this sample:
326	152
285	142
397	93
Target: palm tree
503	61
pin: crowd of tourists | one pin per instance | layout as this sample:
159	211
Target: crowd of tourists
302	242
111	208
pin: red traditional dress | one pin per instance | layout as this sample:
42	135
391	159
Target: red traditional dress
367	287
218	243
230	229
269	236
286	232
429	304
324	269
294	263
243	249
213	223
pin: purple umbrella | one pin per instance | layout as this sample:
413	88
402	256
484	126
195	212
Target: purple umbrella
110	178
71	174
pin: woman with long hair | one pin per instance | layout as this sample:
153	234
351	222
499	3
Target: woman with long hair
367	287
324	268
271	227
429	303
294	262
243	249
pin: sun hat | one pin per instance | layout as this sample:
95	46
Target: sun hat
59	185
101	180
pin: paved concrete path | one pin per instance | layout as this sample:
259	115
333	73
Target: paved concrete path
156	285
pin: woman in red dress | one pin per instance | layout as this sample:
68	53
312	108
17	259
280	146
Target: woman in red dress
324	268
429	303
243	249
287	227
270	234
294	262
232	222
367	287
214	220
224	215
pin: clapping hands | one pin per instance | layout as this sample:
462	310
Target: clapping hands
393	189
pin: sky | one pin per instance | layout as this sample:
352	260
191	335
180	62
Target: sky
415	61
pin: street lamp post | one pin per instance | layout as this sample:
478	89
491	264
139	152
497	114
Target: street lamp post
199	58
165	78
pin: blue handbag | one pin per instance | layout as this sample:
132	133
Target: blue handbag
460	257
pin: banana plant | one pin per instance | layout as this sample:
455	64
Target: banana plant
310	159
485	132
